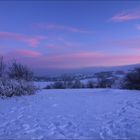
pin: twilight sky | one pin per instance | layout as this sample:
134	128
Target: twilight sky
70	34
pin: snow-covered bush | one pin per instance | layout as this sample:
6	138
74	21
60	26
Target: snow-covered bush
118	83
65	85
67	80
10	87
17	81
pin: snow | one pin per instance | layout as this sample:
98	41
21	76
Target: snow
72	114
42	84
85	81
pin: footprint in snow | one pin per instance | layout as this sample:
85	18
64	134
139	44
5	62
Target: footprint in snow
26	126
54	105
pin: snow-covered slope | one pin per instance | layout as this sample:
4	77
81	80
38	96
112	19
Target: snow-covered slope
73	113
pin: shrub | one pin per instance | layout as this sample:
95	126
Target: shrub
58	85
67	80
17	82
19	72
104	82
10	87
118	82
65	85
132	80
48	87
90	84
77	84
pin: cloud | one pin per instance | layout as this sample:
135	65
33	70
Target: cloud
30	41
126	16
60	27
80	59
138	26
90	59
73	60
127	43
28	53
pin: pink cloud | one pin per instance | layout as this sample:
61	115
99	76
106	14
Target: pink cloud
126	16
138	26
28	53
127	43
60	27
55	48
72	60
93	59
85	59
31	41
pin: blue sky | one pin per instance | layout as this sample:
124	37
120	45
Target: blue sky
70	34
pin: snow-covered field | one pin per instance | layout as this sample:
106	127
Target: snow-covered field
72	113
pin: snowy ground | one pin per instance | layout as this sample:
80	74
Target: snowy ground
72	113
42	85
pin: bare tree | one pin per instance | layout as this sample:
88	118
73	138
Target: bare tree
18	71
2	66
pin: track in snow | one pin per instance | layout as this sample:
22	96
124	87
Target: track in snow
73	113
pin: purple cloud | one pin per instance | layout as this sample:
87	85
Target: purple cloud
31	41
28	53
126	16
60	27
71	60
138	26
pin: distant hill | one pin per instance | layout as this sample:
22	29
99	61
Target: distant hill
87	70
